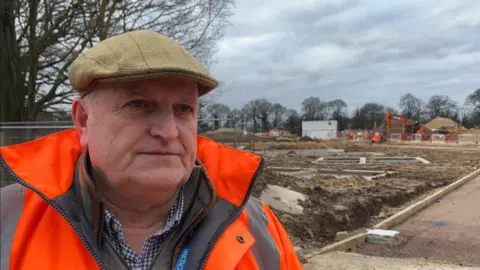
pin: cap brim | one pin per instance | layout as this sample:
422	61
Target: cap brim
206	84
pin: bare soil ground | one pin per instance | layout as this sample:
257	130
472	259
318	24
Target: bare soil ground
352	203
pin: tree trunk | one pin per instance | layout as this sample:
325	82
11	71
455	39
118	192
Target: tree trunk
12	88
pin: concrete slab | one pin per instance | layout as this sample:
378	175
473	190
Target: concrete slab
353	172
300	152
393	160
301	174
286	169
346	159
352	261
379	236
283	199
422	160
337	160
338	174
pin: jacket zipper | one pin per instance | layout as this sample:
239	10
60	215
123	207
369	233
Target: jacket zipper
55	206
237	214
119	256
180	240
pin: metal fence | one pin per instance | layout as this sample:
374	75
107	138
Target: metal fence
225	131
20	132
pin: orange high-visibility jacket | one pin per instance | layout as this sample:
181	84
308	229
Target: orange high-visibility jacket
37	231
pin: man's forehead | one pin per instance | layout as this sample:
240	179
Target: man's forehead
167	85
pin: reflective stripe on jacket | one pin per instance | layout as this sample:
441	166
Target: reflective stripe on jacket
41	228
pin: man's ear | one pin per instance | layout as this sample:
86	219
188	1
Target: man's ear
80	117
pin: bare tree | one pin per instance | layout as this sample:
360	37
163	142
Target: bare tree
372	113
411	106
442	106
232	119
238	118
337	111
203	114
336	108
314	109
40	39
474	100
264	110
278	110
259	110
293	122
359	120
202	107
218	112
250	111
245	117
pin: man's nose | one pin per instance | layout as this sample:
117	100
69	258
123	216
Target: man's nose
165	127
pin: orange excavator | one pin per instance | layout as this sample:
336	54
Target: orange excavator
409	127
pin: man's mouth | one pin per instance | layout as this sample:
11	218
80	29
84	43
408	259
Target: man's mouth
159	153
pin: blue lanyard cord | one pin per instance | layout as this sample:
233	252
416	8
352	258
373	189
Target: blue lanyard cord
182	259
181	263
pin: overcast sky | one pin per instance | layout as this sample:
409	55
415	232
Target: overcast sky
356	50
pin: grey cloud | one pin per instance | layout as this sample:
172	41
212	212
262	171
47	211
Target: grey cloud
369	51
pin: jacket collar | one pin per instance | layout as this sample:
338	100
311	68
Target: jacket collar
48	165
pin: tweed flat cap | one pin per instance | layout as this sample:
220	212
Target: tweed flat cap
136	55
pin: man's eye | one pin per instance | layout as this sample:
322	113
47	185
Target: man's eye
183	108
139	103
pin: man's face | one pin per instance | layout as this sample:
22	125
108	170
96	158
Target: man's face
141	135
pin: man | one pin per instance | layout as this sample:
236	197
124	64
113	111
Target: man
132	186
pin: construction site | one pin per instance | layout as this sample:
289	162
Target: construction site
329	192
333	195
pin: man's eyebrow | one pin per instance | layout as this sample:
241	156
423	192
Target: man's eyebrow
136	90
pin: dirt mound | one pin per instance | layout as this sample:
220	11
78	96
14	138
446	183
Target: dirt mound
442	123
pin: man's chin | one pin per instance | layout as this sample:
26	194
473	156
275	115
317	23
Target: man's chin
161	178
159	158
